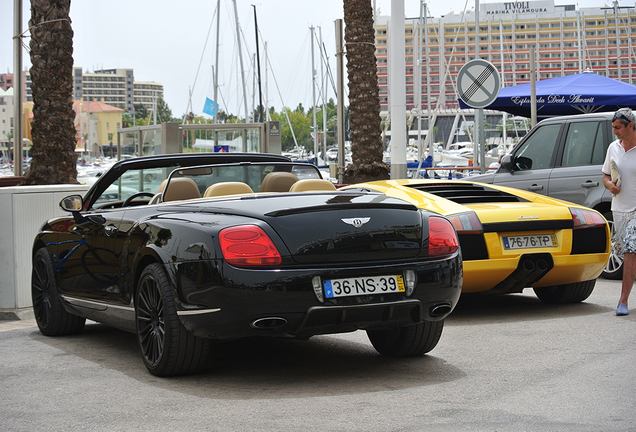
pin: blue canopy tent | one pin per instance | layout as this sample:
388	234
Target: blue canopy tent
586	92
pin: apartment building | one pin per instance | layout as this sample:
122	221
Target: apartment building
566	40
115	87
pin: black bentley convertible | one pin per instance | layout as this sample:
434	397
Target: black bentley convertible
185	250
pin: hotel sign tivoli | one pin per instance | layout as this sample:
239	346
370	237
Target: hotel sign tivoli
517	7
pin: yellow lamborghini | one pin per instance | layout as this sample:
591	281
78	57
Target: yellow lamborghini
512	239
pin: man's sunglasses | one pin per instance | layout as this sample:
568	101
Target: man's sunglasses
618	115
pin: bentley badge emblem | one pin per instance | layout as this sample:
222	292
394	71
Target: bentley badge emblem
356	222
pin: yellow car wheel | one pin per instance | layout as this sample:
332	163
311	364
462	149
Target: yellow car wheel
568	293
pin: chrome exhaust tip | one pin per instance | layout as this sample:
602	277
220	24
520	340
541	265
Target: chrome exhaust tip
439	310
269	323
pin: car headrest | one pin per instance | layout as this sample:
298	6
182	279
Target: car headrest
227	188
278	181
181	188
312	185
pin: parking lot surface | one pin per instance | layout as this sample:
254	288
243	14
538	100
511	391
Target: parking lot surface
506	363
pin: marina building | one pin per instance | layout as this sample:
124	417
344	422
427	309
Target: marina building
566	40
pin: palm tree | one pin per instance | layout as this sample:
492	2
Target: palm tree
52	130
364	99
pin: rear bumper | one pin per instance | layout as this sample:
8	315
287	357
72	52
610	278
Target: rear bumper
247	303
484	275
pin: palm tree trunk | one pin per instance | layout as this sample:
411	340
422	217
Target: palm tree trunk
364	99
53	129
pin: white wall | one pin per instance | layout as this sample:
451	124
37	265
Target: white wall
23	210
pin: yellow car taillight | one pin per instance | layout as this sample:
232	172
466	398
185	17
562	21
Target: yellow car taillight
586	218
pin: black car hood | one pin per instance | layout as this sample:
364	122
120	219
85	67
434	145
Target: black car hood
328	227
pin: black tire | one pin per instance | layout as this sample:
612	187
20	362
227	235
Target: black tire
51	317
415	340
568	293
614	268
167	348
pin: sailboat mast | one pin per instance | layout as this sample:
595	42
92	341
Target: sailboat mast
216	69
238	41
324	99
313	87
258	67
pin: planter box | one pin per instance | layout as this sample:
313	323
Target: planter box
11	181
23	210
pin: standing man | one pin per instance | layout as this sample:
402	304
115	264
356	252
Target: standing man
621	162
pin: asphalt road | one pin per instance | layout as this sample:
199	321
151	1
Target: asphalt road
508	363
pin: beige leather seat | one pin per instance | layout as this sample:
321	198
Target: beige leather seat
157	198
227	188
312	185
181	188
278	181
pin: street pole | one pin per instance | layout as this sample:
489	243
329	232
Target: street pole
340	96
17	88
397	91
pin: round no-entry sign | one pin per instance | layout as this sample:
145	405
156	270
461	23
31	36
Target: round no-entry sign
478	83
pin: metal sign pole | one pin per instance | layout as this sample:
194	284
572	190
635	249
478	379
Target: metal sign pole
17	88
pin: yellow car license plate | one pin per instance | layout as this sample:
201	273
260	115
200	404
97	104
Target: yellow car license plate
363	286
529	241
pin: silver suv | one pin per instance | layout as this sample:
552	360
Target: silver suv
562	157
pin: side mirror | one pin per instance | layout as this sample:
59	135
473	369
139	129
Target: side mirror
71	203
506	163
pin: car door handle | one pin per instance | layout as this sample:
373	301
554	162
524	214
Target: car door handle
590	184
110	230
535	187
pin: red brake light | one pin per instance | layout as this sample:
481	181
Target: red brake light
248	245
586	218
442	239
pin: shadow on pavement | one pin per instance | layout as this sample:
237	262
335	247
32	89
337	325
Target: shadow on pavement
479	309
265	368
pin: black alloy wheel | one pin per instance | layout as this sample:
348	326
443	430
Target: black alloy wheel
51	317
167	348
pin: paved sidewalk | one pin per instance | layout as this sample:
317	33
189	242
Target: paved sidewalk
16	324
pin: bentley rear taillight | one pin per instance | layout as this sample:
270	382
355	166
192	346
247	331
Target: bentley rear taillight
248	245
442	239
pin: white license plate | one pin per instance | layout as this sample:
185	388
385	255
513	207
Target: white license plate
363	286
529	241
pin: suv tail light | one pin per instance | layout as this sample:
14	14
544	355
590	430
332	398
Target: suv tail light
442	239
248	245
586	218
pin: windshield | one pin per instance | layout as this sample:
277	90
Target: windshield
132	182
260	177
143	184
